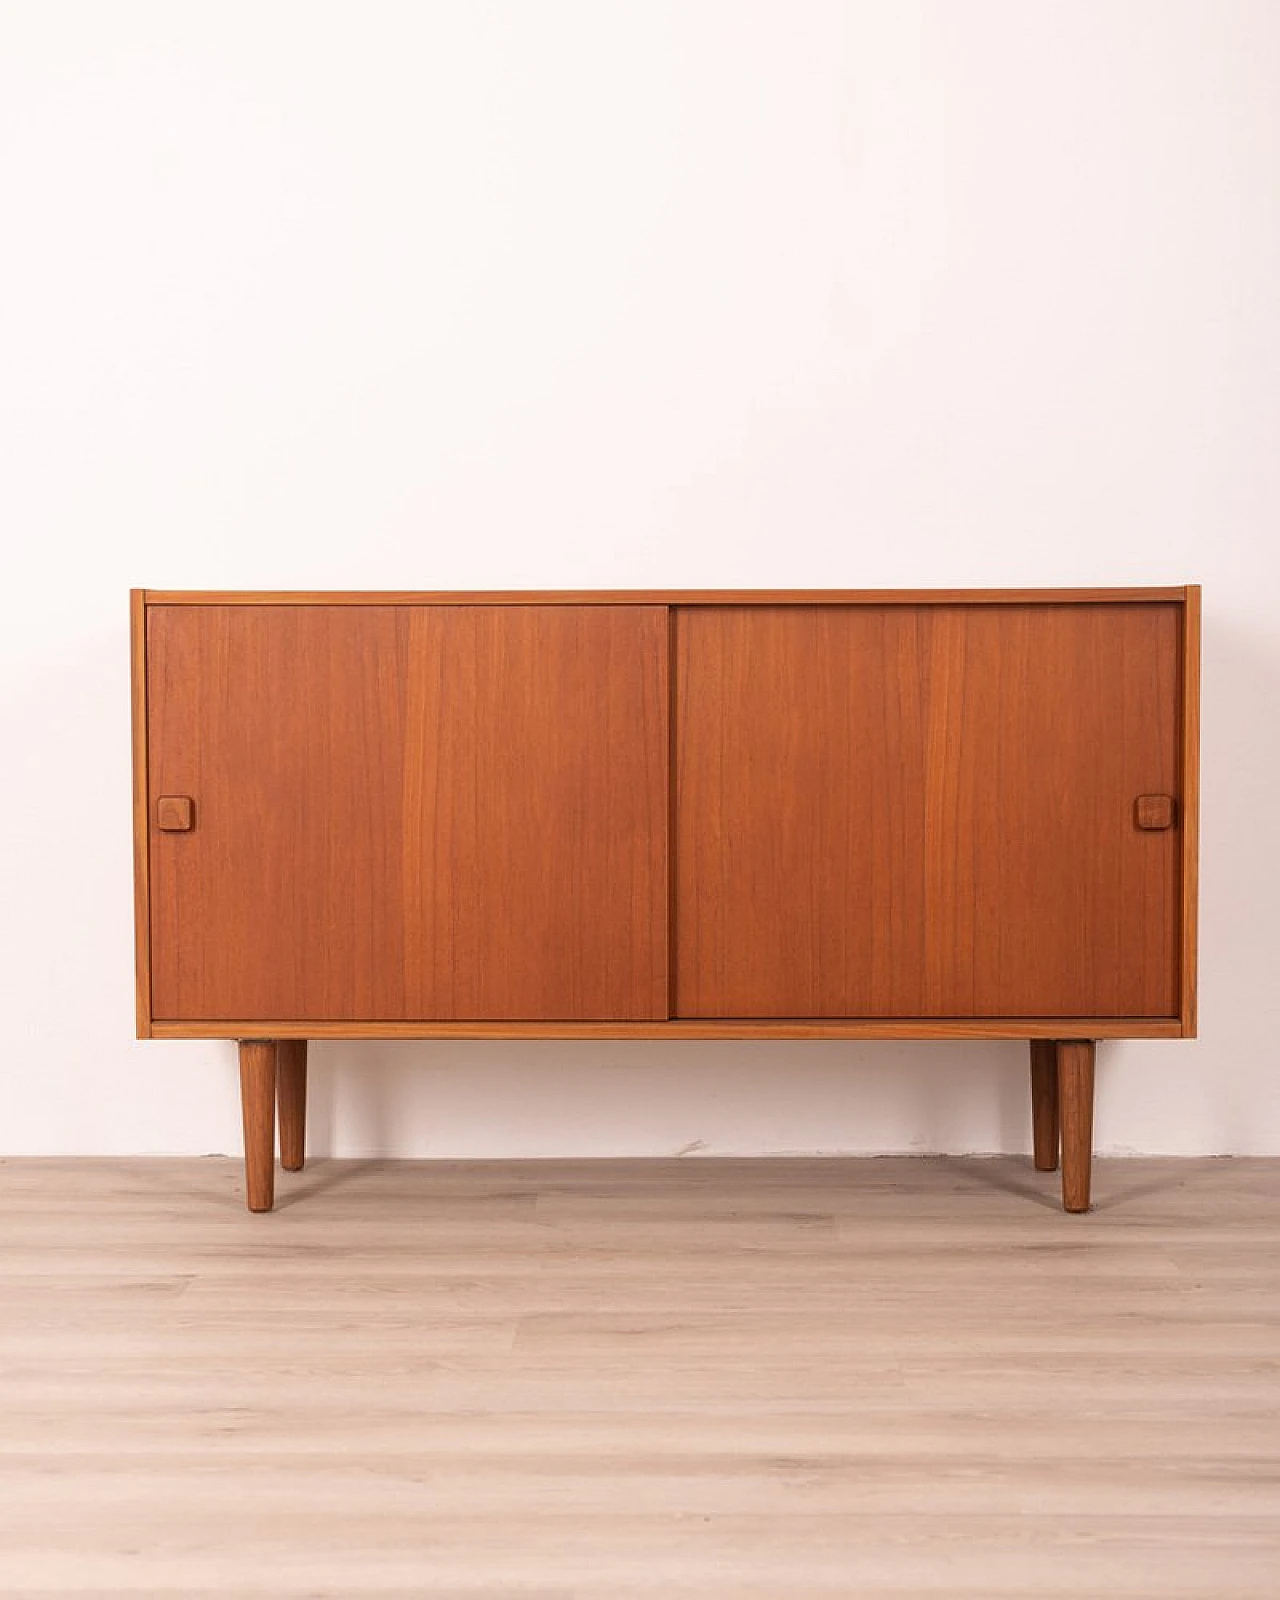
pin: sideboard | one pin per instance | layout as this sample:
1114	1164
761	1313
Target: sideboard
803	814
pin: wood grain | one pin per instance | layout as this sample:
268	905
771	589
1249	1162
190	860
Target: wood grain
702	1379
925	811
1189	754
141	813
450	812
258	1114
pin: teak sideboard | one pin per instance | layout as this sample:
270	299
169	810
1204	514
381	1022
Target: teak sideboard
818	814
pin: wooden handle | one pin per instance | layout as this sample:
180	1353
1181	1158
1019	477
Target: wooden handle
175	813
1154	811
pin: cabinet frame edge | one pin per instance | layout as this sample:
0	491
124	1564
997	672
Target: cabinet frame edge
663	597
833	1028
1183	1026
1190	776
141	818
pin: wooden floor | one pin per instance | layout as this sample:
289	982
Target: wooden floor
613	1379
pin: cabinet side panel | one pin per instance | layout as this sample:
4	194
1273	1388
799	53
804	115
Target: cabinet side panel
141	827
1190	807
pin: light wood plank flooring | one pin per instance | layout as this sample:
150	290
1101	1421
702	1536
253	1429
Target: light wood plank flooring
696	1378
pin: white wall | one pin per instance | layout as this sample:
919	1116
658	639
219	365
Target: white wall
706	292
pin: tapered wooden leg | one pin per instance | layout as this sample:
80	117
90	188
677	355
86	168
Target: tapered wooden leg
291	1100
258	1105
1075	1113
1044	1104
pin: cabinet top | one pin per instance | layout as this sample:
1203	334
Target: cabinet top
665	597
